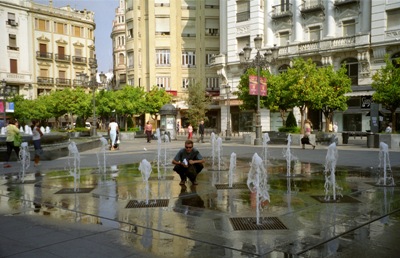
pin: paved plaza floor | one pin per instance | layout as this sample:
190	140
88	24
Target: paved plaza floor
113	213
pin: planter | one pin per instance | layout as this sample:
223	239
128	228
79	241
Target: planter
392	140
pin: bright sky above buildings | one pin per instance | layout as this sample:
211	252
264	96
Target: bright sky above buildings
104	11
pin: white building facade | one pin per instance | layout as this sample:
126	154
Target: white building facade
330	32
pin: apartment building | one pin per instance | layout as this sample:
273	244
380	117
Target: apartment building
330	32
118	37
169	44
46	48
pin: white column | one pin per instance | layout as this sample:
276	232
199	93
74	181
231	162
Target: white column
330	19
365	17
298	30
223	27
269	34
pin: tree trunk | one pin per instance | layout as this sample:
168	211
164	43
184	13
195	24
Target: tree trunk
393	114
283	113
302	113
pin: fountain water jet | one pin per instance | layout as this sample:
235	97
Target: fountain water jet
101	155
25	158
384	164
74	170
330	178
232	168
218	152
287	153
257	182
213	139
145	170
266	139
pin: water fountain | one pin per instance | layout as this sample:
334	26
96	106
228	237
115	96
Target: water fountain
21	129
257	182
3	130
47	130
42	129
330	179
28	130
384	165
232	168
25	158
145	170
165	155
287	153
218	152
265	141
213	139
158	135
75	169
101	155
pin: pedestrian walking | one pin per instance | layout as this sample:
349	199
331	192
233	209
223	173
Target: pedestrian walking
307	132
12	134
36	138
148	130
201	131
190	131
113	130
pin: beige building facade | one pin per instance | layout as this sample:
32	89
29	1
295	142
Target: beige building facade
45	48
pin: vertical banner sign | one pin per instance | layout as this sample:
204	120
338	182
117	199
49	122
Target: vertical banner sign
253	85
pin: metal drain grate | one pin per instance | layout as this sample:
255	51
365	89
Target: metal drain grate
266	223
374	184
166	178
151	204
339	199
22	183
234	186
71	190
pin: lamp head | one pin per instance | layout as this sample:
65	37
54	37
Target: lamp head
258	42
247	52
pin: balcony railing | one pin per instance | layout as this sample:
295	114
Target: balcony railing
63	58
243	16
79	59
338	3
63	82
44	55
309	6
78	82
45	80
282	11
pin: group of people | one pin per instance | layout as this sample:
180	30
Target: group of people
13	133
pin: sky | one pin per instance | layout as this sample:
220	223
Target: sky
104	13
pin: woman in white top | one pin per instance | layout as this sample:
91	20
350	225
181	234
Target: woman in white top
36	136
112	132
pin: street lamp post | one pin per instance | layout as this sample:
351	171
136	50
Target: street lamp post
93	82
259	62
5	91
228	113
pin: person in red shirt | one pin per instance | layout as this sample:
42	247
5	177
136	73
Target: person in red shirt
148	130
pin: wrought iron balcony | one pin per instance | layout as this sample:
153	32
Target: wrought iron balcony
282	11
45	80
63	82
79	59
63	58
44	55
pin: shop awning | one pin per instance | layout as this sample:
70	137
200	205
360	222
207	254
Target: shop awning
360	93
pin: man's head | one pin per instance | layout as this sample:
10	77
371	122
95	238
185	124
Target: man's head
202	122
188	146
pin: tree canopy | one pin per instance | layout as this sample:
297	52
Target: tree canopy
198	103
386	82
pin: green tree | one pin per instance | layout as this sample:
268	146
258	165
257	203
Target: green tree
303	80
332	88
106	103
155	99
130	101
198	103
386	82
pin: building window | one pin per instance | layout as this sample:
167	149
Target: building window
352	69
42	25
12	42
243	10
13	66
212	27
314	33
130	29
90	32
212	83
188	58
189	27
43	50
209	58
77	31
349	28
163	57
393	19
60	28
283	38
163	82
11	19
121	58
162	26
186	82
130	60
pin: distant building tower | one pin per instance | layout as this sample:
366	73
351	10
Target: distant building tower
118	36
